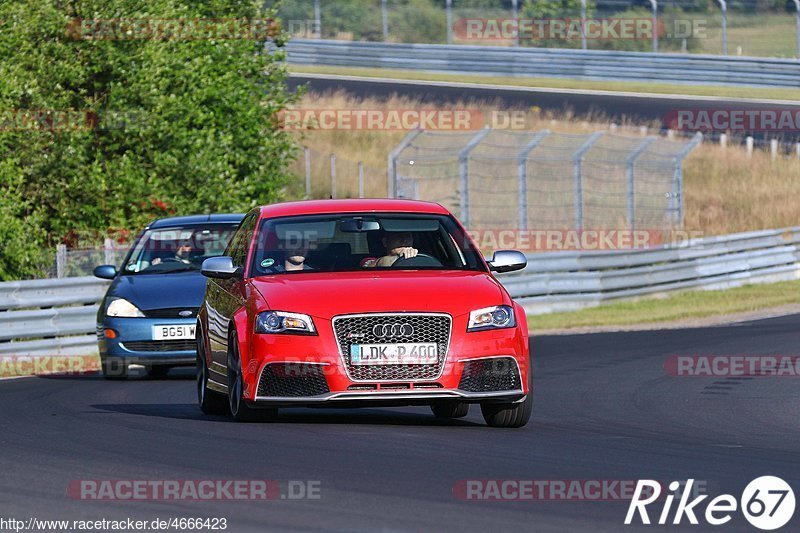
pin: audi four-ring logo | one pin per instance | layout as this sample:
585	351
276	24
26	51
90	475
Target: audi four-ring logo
392	330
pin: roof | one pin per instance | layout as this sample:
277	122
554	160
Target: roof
372	205
191	220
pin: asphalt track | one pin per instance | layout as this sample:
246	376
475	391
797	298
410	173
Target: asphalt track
612	105
604	409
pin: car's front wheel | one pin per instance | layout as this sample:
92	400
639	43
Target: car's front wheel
239	409
450	409
508	415
211	403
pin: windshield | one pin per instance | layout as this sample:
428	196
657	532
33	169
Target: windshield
177	249
339	243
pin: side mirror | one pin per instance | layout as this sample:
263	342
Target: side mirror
507	261
105	272
220	268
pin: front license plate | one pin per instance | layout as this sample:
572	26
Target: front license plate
412	353
173	332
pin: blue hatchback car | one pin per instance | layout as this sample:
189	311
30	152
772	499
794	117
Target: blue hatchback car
149	312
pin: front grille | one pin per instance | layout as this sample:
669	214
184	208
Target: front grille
172	312
358	329
488	375
292	380
161	346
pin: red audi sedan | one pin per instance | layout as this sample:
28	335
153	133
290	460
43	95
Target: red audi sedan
360	303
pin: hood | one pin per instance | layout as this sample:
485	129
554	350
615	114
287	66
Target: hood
161	291
326	295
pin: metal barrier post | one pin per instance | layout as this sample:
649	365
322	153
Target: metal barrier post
522	176
61	260
578	176
361	179
583	24
797	25
449	16
463	171
108	251
391	171
385	20
307	157
629	175
317	20
654	5
515	17
724	6
678	176
333	175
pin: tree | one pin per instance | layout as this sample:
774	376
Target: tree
113	112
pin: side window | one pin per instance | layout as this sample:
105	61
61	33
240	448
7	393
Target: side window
237	249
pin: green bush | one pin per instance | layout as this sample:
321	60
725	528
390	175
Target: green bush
159	126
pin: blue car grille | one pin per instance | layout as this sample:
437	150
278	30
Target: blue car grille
161	346
173	312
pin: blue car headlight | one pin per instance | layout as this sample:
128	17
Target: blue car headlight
122	308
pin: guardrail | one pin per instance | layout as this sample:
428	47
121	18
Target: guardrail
561	281
550	63
49	316
57	316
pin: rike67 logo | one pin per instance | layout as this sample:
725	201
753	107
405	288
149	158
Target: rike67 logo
767	503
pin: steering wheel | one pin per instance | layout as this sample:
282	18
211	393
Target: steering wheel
170	259
419	260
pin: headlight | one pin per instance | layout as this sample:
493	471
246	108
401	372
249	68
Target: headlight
497	317
122	308
282	322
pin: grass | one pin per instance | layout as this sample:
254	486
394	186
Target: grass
561	83
679	306
765	35
725	191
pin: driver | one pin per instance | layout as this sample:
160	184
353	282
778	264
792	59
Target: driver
295	253
181	254
296	258
397	245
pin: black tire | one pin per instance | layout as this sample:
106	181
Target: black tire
210	402
450	409
240	411
508	415
114	368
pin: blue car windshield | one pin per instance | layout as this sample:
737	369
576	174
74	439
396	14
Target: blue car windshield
177	249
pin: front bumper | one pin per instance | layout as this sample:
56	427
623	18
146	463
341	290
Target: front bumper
292	370
389	399
134	342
